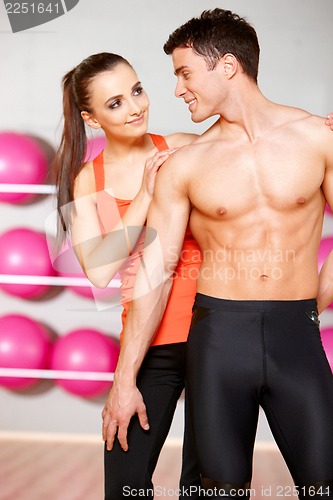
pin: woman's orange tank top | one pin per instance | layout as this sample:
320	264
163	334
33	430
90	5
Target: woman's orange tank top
175	324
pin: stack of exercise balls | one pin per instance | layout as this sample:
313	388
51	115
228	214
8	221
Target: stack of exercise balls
26	343
23	251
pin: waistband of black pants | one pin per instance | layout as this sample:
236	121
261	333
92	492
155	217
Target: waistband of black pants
216	303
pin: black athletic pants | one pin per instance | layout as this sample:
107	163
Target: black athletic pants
246	354
129	474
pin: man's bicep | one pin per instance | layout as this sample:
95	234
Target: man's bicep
166	220
168	215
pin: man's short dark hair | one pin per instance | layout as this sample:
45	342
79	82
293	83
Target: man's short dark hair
216	33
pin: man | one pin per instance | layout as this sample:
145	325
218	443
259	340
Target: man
254	186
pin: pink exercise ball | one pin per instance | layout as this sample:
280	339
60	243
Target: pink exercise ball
328	210
86	350
25	252
327	340
94	146
22	161
24	343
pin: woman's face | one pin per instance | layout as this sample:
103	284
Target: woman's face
119	103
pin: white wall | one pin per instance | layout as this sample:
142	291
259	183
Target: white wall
296	68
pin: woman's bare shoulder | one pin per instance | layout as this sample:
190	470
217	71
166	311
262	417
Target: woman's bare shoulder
85	181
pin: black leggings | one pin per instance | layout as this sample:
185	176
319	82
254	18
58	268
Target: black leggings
129	474
246	354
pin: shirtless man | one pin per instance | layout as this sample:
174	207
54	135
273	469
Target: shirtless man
254	187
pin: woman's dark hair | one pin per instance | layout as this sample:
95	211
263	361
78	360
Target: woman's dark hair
69	158
216	33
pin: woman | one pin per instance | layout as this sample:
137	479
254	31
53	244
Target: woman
103	205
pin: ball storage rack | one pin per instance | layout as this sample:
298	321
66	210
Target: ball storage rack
53	281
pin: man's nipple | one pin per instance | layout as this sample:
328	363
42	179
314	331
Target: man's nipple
301	200
221	211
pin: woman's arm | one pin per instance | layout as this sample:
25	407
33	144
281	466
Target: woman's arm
101	258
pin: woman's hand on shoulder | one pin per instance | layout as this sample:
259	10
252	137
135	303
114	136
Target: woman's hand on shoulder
329	121
152	166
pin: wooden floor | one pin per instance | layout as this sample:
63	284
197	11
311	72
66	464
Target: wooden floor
57	467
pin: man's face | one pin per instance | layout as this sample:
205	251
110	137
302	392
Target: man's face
199	87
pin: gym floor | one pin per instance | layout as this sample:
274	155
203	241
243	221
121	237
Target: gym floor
64	467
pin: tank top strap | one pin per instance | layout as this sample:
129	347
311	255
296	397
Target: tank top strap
159	142
98	166
98	162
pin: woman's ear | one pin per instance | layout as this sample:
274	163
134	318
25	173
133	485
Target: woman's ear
90	120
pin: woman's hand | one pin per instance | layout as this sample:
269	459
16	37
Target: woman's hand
152	166
329	121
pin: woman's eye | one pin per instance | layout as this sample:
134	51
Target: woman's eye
138	91
115	104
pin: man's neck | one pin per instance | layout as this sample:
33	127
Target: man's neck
247	112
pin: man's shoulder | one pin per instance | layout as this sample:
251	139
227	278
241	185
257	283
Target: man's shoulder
299	124
190	150
309	130
298	117
179	139
181	165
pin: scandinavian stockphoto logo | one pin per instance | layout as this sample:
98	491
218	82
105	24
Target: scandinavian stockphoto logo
23	15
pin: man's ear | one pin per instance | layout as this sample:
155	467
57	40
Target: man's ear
229	64
90	120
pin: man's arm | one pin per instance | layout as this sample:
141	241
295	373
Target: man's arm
168	216
325	292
